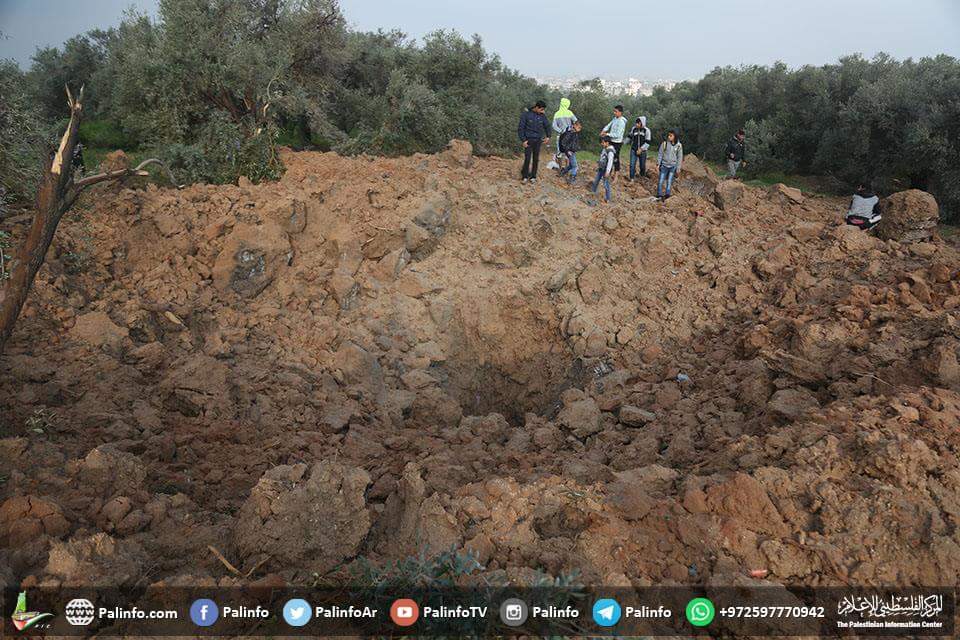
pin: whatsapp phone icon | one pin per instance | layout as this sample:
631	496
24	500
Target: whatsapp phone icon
700	612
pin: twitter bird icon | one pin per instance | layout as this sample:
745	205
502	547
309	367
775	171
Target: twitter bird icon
297	612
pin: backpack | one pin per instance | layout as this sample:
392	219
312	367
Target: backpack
569	140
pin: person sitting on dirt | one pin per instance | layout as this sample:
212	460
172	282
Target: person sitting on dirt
736	153
864	209
605	166
639	143
569	145
669	162
563	119
533	131
616	128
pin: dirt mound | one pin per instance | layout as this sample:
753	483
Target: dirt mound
908	216
115	161
377	358
698	177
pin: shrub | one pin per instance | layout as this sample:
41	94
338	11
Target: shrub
105	134
444	569
25	139
223	152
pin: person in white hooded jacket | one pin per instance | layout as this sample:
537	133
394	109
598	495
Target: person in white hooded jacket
639	143
864	209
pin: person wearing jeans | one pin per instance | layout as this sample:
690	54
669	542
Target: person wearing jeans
533	131
563	121
665	181
604	166
569	145
669	160
572	168
616	129
639	143
736	152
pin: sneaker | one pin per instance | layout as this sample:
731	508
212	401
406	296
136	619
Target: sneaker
523	180
532	180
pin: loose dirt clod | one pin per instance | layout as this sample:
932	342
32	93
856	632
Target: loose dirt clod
908	216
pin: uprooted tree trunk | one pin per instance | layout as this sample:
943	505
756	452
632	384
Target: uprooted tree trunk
58	191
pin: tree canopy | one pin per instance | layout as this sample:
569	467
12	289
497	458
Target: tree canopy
213	86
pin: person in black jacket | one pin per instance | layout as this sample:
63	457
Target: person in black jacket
736	153
77	159
569	145
533	131
639	143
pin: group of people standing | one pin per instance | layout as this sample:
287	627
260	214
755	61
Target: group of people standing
535	130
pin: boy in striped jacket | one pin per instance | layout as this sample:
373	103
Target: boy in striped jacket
604	166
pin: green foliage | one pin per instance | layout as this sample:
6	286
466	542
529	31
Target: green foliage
4	256
293	136
223	151
445	569
394	97
214	86
896	124
25	138
207	83
764	139
75	65
105	134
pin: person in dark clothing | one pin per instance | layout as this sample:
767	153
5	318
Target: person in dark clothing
639	143
736	153
77	159
569	145
533	131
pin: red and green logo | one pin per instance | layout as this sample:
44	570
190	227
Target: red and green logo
23	619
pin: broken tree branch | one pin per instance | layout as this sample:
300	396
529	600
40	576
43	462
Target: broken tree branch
87	181
57	193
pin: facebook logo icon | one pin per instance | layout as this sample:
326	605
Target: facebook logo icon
204	612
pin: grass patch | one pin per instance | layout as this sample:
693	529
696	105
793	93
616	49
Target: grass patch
812	185
104	134
588	159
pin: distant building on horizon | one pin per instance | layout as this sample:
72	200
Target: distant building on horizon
611	86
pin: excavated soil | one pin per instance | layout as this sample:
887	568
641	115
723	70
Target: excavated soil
375	357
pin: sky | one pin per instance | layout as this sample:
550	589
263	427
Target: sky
680	39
